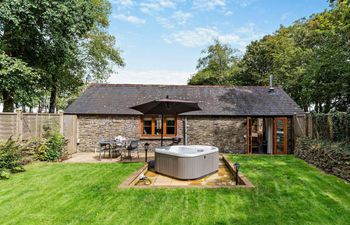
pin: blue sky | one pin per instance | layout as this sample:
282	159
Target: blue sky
162	40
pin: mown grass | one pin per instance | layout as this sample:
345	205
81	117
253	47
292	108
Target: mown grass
288	191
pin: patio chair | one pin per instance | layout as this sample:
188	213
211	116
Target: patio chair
104	146
132	147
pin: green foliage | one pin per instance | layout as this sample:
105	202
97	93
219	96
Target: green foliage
310	60
214	68
66	40
10	154
17	169
18	82
333	126
4	175
51	148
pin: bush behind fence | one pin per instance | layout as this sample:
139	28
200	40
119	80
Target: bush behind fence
331	126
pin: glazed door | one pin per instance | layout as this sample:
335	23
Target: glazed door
249	135
280	135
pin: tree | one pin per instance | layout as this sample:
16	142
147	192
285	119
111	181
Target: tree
54	36
310	60
18	82
214	67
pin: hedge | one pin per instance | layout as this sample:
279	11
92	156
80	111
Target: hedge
331	126
332	157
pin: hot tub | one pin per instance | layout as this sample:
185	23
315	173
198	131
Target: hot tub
187	161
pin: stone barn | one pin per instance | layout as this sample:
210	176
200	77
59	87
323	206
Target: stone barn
237	119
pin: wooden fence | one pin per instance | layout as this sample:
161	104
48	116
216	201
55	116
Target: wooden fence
23	126
300	128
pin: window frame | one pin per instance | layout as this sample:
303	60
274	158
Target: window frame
153	127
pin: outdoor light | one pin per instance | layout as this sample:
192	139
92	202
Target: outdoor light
146	150
236	170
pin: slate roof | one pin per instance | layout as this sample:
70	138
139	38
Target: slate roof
117	99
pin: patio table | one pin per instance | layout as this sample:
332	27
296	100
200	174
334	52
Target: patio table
118	145
115	145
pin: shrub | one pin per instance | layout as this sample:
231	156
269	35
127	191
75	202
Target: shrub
333	126
10	154
4	175
51	148
17	169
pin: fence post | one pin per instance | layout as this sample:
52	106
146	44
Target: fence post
310	126
19	124
60	112
36	125
307	124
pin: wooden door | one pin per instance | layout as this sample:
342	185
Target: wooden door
249	136
280	135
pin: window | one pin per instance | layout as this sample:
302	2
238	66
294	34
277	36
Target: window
147	126
170	126
151	126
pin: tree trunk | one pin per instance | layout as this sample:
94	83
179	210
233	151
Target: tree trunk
306	108
53	99
8	102
327	106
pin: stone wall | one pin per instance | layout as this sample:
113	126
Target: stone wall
91	129
332	157
226	133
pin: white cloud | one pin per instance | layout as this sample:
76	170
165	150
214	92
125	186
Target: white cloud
208	4
164	22
192	38
150	77
228	13
285	16
124	3
229	38
178	18
150	6
129	19
181	17
202	36
244	3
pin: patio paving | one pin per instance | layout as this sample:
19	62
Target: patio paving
92	157
222	178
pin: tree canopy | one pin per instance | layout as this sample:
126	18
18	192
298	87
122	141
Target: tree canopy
310	60
214	67
65	39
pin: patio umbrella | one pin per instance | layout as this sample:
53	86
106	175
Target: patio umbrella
166	106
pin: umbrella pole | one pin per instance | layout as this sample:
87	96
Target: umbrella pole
161	135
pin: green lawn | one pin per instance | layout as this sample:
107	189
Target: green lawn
288	191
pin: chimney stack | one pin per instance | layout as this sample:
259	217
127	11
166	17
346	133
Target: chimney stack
271	89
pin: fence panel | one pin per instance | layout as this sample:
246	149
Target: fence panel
35	124
300	125
24	126
70	132
331	126
8	125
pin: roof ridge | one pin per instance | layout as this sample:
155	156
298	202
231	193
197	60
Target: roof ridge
170	85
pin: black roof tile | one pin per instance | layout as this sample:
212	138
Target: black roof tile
213	100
